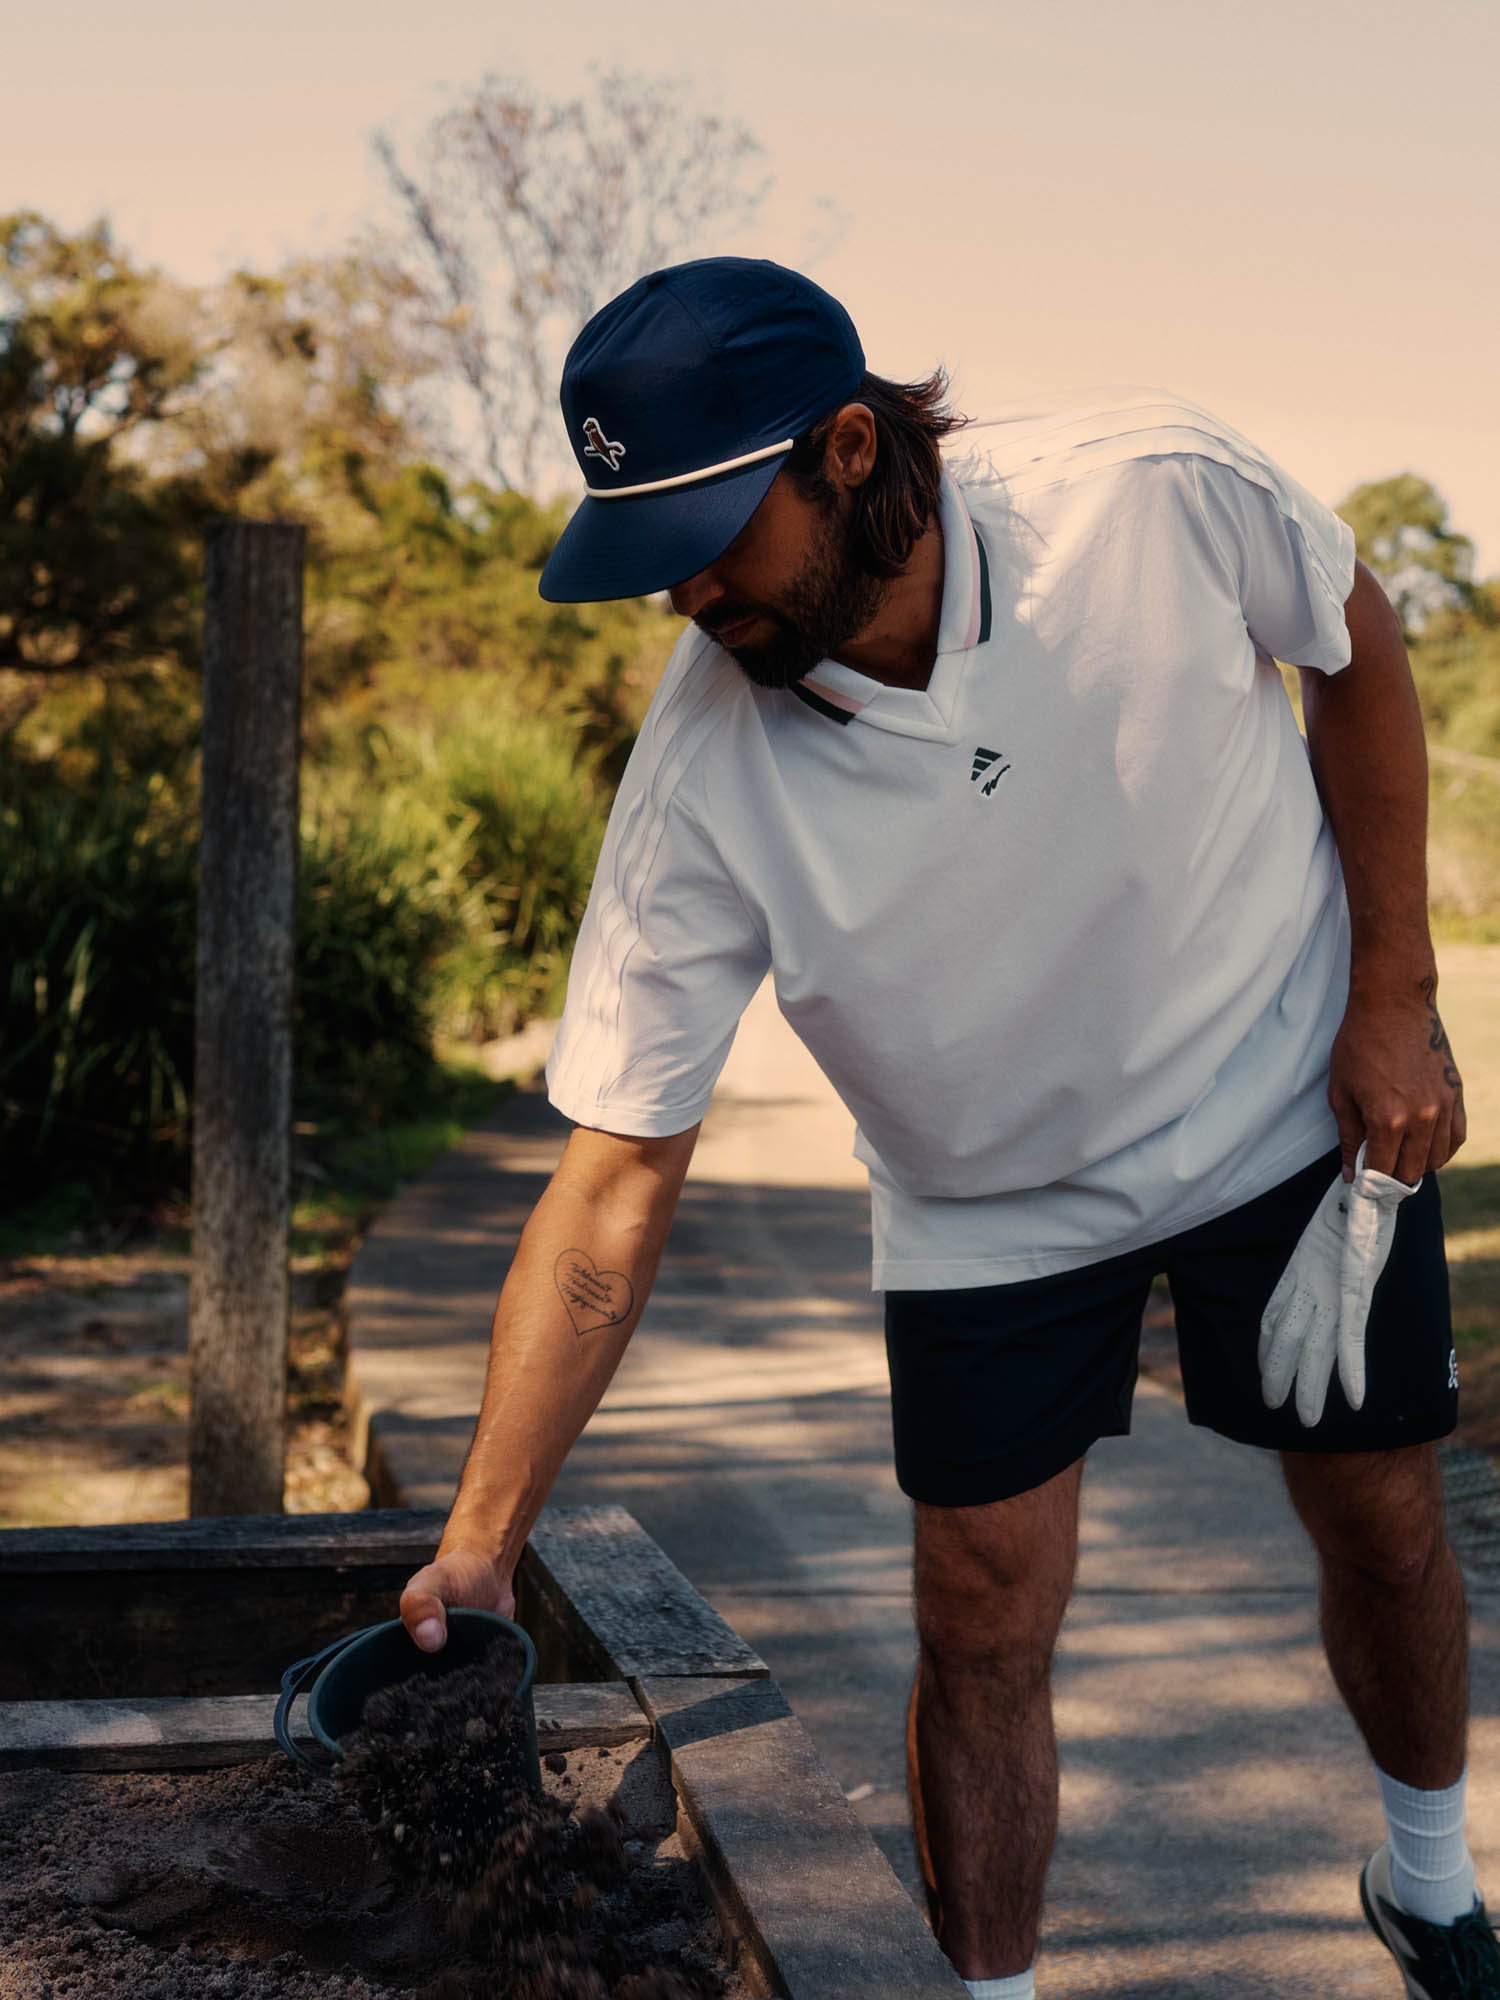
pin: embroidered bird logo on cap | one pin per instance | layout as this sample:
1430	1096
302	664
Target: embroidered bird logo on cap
599	446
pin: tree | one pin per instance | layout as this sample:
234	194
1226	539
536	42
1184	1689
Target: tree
308	376
132	410
94	570
526	216
1401	532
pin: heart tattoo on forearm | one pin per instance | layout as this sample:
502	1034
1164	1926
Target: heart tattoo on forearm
594	1298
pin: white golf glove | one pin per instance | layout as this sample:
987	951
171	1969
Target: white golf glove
1322	1299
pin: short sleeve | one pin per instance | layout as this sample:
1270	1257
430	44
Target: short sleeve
666	962
1290	557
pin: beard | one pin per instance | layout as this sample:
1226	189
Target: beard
827	603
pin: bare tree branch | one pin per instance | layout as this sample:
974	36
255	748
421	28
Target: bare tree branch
462	324
526	216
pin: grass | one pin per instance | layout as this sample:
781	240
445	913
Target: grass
1463	852
1469	999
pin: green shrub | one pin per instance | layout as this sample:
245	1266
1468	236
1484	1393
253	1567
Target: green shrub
443	873
1457	671
1463	851
380	899
511	823
97	905
96	1037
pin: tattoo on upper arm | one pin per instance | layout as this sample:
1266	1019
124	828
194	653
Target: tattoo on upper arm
1437	1039
594	1298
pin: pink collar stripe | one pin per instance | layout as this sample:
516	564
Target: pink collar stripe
839	699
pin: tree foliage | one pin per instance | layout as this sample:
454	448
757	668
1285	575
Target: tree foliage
459	738
94	572
1401	532
525	216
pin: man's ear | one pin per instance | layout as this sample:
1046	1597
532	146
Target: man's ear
849	455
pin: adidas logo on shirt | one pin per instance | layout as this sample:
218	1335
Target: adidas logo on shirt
983	759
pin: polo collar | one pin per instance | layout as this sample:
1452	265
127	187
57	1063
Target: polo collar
841	693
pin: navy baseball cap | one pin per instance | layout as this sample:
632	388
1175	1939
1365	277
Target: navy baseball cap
682	397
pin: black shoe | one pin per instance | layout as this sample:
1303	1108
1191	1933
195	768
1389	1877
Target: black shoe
1438	1961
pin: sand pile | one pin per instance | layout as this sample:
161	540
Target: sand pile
429	1869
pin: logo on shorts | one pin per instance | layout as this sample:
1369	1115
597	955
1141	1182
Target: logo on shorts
983	759
1452	1367
597	445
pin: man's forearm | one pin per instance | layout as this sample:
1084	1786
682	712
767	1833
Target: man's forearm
1364	734
1393	1084
579	1282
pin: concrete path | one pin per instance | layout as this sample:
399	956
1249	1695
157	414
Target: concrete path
1217	1804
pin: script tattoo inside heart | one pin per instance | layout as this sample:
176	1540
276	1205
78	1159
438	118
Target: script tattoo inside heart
594	1298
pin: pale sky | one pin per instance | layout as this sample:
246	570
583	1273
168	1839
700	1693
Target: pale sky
1289	212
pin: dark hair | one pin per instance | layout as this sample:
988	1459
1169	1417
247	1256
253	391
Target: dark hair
895	504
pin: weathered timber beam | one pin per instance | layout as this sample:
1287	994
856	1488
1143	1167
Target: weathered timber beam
794	1868
173	1734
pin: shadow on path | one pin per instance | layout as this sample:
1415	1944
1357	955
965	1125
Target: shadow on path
1217	1804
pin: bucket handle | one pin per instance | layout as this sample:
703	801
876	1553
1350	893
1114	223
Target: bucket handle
293	1681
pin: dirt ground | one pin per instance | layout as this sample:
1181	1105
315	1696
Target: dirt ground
94	1390
262	1883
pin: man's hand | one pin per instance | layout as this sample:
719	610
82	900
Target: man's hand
1393	1083
462	1577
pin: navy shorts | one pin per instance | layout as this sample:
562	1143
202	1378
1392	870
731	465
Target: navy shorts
996	1388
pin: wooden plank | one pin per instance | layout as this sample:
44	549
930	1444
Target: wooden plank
215	1606
191	1632
177	1735
220	1606
622	1605
792	1865
583	1714
388	1536
168	1735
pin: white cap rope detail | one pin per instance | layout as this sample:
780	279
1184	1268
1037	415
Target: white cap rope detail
688	478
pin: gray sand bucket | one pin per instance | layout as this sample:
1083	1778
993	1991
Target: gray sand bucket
352	1668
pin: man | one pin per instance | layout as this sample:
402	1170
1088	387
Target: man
995	772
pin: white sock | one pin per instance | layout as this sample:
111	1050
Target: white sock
1020	1986
1432	1871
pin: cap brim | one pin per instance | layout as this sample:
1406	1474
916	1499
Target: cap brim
630	547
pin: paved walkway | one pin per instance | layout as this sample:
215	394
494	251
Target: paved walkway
1216	1802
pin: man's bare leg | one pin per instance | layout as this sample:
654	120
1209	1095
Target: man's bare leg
991	1586
1394	1621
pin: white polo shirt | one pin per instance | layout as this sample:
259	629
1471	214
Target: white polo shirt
1065	929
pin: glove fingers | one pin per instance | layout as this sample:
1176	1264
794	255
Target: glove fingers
1282	1352
1299	1327
1273	1318
1366	1248
1352	1366
1372	1202
1314	1372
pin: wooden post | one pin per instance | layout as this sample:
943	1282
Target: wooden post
239	1300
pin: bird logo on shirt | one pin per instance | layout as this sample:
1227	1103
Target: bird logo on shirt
597	445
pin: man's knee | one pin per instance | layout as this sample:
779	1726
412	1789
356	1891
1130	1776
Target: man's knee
992	1582
1376	1515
